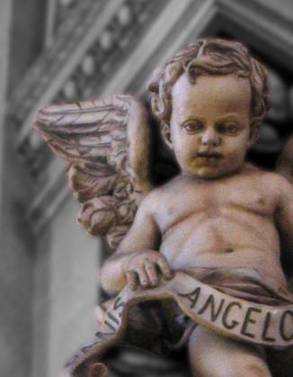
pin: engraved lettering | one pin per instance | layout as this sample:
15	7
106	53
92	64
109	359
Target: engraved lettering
214	312
226	313
113	318
247	320
266	328
192	296
110	326
88	347
104	335
119	304
284	325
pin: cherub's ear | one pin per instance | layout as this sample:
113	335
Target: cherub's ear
254	132
166	134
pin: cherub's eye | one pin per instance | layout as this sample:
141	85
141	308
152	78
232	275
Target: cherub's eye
193	126
228	128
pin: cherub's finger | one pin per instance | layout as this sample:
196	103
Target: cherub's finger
132	280
165	269
152	272
143	278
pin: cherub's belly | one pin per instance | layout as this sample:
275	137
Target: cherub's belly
223	243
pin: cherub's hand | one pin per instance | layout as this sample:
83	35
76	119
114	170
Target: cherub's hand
146	269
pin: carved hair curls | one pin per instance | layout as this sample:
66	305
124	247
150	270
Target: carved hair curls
210	57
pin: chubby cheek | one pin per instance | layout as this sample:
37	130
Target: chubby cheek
234	159
236	154
237	149
185	151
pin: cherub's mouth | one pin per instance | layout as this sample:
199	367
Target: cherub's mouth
209	155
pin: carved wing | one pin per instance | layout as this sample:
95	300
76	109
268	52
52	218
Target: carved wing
285	161
106	146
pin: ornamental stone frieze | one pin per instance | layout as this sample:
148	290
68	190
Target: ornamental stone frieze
84	54
60	14
107	46
65	9
117	31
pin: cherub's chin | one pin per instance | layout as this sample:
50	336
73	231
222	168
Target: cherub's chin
208	173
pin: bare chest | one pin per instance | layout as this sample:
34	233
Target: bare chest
214	200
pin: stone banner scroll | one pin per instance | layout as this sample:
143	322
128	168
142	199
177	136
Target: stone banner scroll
224	314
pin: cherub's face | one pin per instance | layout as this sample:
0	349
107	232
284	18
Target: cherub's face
210	125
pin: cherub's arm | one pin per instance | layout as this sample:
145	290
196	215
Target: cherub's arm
136	260
284	218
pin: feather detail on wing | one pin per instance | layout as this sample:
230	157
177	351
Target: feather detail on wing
285	161
106	146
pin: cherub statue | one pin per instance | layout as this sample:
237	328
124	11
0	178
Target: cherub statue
205	229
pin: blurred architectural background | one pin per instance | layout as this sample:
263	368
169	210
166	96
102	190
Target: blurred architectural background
64	50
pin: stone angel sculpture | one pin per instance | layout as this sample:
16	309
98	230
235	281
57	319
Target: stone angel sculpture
196	233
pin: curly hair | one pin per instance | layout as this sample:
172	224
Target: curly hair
211	56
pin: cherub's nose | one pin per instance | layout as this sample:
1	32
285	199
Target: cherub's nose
210	138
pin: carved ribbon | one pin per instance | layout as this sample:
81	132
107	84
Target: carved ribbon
222	313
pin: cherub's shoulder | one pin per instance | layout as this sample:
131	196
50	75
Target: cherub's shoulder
269	181
162	192
152	199
273	182
267	176
273	178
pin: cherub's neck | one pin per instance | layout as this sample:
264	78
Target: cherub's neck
245	168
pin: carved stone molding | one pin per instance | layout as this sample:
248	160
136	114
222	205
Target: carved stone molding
97	63
64	9
59	14
66	73
130	31
260	26
50	63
